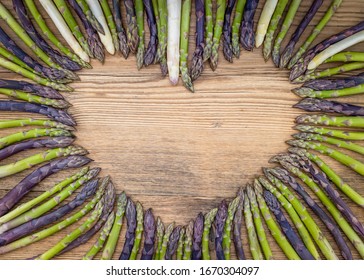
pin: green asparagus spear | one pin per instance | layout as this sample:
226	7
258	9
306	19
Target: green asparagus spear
228	225
179	254
159	239
138	231
111	23
185	27
139	10
187	242
340	121
209	218
235	37
167	234
342	134
209	30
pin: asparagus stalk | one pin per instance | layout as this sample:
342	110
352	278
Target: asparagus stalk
273	227
104	234
331	174
273	25
139	10
350	121
286	227
14	59
196	67
227	30
344	225
131	26
32	225
198	229
35	89
208	219
346	135
58	115
287	22
345	57
327	84
122	38
179	252
233	205
31	180
301	66
130	214
35	201
209	30
56	142
335	4
159	239
166	236
301	219
240	4
106	38
220	219
259	229
237	222
111	23
162	48
90	16
59	226
28	26
93	39
187	242
183	49
174	22
288	51
284	175
173	243
158	23
149	235
151	50
264	20
252	235
247	35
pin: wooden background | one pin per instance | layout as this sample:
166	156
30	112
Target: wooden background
182	153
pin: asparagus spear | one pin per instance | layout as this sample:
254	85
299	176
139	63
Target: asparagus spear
56	142
347	135
350	162
131	26
350	121
50	35
166	236
14	59
34	133
247	35
345	57
151	50
183	49
286	227
104	234
198	228
329	140
90	16
58	115
301	218
130	214
288	51
179	252
252	235
35	89
208	219
33	122
316	233
187	242
123	43
32	225
25	21
328	84
301	66
174	23
59	226
149	235
196	67
335	4
220	219
227	30
35	201
22	188
106	38
139	10
21	95
158	22
344	225
264	20
173	243
238	217
209	30
273	25
111	23
287	22
235	37
159	239
307	92
162	48
233	205
273	227
93	39
336	179
259	229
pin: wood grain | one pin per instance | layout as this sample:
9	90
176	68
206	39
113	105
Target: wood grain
182	153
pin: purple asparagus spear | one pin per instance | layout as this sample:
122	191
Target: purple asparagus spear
196	67
123	44
197	237
130	232
149	235
247	35
227	48
219	223
153	42
173	243
331	84
237	222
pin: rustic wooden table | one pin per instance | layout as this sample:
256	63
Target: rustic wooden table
181	153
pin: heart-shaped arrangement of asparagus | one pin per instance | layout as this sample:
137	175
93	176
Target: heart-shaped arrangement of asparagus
277	199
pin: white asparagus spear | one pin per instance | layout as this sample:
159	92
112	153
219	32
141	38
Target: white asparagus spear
174	22
336	48
264	20
63	28
106	39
